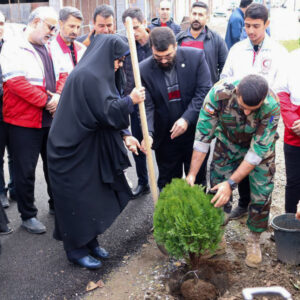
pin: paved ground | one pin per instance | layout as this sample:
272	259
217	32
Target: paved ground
35	266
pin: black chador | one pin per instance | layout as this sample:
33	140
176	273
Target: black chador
86	153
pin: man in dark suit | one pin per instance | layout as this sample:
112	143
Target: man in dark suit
176	82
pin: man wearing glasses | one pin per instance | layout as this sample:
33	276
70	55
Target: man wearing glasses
176	82
30	99
243	116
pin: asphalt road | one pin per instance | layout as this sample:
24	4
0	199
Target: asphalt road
35	266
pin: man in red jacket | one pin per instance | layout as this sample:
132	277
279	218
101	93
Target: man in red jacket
29	101
289	94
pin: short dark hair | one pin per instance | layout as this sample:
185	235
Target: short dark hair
200	4
104	11
68	11
253	89
161	38
245	3
257	11
134	13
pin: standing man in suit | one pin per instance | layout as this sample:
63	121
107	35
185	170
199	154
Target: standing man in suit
176	82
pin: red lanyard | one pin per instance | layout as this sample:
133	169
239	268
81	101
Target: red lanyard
254	56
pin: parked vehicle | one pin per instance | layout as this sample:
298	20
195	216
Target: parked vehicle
220	12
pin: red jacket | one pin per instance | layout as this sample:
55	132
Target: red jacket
290	113
23	103
24	92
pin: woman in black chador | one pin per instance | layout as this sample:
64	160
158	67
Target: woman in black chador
86	153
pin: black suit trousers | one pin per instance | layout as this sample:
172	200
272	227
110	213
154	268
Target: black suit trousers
174	156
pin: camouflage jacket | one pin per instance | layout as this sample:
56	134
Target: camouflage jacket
221	117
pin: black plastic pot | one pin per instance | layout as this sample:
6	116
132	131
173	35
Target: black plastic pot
287	238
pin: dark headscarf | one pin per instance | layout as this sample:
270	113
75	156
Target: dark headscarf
90	102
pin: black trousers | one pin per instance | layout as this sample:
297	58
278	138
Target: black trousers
244	192
82	251
26	145
172	157
292	167
3	220
140	160
4	143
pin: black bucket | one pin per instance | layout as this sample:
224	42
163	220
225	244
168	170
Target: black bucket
287	238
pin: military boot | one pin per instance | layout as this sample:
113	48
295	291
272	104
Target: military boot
254	257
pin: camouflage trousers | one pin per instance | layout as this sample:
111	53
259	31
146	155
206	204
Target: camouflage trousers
226	160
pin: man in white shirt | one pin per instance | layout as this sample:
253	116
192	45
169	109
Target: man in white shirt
257	54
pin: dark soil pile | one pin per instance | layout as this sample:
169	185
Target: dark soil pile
210	281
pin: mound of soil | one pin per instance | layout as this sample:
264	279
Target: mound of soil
197	289
212	279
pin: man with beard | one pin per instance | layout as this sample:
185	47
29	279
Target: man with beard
176	82
201	37
65	51
165	19
30	97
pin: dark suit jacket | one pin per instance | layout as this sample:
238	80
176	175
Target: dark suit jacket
194	83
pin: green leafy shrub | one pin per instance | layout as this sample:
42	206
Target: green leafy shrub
185	221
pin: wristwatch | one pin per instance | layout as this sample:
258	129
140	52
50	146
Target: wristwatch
232	183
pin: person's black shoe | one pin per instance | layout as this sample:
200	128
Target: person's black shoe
88	262
4	201
99	252
238	213
33	225
140	190
7	231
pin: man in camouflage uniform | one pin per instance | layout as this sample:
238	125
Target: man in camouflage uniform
243	116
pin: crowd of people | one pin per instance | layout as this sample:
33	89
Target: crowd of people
72	99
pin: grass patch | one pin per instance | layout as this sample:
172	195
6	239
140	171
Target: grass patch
291	44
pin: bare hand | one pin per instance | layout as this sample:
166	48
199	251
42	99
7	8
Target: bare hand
223	194
138	95
179	127
296	127
52	104
298	211
132	144
190	179
87	41
143	144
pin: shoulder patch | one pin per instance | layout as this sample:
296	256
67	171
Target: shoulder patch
209	109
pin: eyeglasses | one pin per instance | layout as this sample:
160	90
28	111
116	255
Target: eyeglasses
50	26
